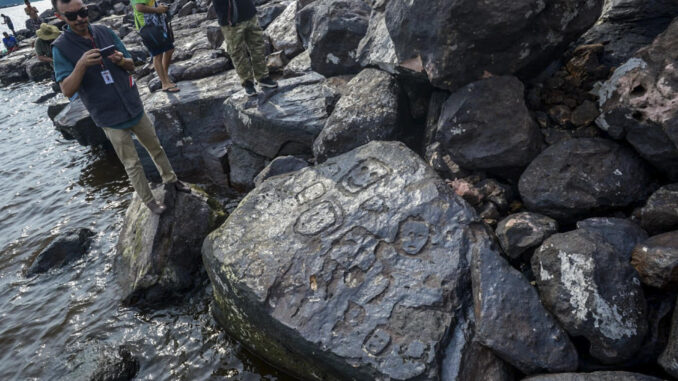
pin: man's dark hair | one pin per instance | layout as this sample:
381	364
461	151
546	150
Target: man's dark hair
5	33
54	2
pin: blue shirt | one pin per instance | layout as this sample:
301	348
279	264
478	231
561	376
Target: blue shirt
9	42
63	68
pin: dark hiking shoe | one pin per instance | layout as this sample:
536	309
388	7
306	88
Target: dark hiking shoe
249	88
268	82
156	207
181	186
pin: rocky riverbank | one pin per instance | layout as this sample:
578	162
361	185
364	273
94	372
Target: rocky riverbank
437	190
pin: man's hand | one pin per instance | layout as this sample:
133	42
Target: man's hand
162	8
116	57
90	58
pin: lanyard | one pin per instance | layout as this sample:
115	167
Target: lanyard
94	46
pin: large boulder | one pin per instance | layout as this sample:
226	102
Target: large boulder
523	231
576	177
283	32
621	233
158	256
283	121
594	376
511	320
455	42
65	249
279	166
370	110
38	70
486	126
74	123
660	213
12	68
639	102
352	269
205	63
593	291
337	28
669	358
376	48
625	26
267	13
656	260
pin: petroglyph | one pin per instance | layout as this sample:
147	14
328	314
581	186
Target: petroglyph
364	174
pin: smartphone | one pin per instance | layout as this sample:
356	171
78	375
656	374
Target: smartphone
107	51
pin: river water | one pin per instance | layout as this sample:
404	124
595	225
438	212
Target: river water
51	323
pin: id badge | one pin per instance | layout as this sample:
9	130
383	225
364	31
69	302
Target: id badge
106	75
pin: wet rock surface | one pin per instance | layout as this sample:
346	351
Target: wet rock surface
158	256
65	249
621	233
660	213
74	123
486	126
521	232
656	260
370	110
593	292
669	358
456	42
639	102
511	320
362	267
593	376
576	177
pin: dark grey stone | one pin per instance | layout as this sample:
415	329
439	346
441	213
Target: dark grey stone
38	70
121	366
510	319
74	123
298	66
660	213
65	249
158	256
243	167
279	166
577	177
594	376
283	32
669	358
337	28
456	42
215	36
635	102
593	291
283	121
376	48
268	12
355	268
521	232
486	126
656	260
369	111
621	233
205	63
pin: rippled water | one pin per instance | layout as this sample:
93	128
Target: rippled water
49	322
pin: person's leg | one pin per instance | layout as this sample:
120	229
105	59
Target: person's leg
127	153
160	71
235	44
166	60
254	39
145	132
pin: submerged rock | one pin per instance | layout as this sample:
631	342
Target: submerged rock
486	126
62	251
639	102
120	366
158	256
456	42
657	260
355	268
370	110
577	177
511	320
593	291
660	213
521	232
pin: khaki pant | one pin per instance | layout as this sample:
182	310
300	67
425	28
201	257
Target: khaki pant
245	44
124	147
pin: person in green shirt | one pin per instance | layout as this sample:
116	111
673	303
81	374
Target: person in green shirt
150	19
46	35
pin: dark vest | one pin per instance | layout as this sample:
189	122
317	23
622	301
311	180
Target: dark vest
108	105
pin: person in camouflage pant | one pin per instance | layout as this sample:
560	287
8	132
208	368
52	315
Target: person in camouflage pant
245	42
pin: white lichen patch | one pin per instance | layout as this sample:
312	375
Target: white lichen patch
576	277
608	88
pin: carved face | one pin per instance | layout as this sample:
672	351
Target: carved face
413	235
363	175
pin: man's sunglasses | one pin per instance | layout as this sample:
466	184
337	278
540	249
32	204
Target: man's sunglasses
72	16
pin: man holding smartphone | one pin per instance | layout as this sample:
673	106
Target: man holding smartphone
109	93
